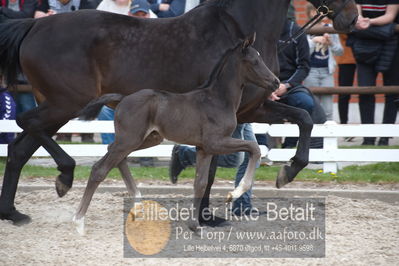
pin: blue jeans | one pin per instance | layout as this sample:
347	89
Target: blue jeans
243	131
25	101
302	100
107	114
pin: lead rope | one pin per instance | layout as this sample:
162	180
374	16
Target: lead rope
322	12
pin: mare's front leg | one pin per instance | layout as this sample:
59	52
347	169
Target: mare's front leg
200	185
19	152
275	112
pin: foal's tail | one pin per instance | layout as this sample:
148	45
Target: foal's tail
93	108
12	33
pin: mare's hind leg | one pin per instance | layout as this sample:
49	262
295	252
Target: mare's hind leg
35	122
19	152
275	112
203	162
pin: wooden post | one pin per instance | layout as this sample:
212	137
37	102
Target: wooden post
330	145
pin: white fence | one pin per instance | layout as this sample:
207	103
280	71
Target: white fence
330	154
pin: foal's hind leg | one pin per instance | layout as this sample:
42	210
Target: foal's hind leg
152	140
114	157
203	162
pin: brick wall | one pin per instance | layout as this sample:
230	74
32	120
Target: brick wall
300	11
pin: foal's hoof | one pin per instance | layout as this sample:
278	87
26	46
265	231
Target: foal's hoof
61	188
79	225
195	227
283	178
16	217
229	197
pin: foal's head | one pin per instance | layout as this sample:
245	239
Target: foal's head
253	68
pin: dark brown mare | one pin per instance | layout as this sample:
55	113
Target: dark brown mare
75	57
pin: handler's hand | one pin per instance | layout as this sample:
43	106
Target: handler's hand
362	23
282	89
164	7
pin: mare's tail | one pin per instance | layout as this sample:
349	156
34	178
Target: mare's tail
12	34
93	108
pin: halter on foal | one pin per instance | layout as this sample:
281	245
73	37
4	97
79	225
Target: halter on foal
206	119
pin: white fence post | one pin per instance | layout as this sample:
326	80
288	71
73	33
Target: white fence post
330	146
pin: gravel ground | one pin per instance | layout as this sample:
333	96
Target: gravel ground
358	232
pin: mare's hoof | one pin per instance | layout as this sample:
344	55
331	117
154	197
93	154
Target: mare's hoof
283	178
16	217
61	188
229	197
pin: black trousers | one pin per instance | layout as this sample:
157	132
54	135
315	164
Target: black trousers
346	77
367	77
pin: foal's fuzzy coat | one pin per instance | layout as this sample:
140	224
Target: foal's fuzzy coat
205	118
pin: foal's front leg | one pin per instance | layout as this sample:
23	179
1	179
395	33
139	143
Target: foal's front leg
200	183
231	145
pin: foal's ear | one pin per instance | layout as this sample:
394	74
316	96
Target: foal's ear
250	40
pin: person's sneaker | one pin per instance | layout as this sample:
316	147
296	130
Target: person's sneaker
64	137
368	142
175	166
383	141
87	138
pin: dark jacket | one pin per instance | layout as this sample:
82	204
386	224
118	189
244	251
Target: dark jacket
294	59
376	46
27	8
176	8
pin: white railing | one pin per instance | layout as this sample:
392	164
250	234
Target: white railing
329	155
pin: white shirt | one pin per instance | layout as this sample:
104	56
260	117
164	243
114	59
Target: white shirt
110	6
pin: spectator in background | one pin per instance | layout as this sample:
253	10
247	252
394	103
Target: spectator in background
52	7
115	6
294	63
381	56
7	112
322	62
346	77
291	11
12	9
167	8
141	9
